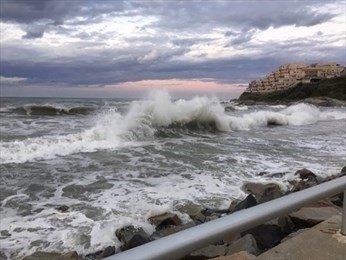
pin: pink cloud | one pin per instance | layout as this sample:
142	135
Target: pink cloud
178	86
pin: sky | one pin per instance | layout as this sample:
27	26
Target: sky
85	48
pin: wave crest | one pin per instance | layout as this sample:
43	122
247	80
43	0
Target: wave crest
157	117
48	110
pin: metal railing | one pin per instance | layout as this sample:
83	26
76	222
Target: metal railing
184	242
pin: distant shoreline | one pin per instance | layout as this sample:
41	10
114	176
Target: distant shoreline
327	92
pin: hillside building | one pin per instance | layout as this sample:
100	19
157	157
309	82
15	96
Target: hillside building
289	75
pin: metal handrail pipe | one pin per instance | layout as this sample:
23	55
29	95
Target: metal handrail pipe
184	242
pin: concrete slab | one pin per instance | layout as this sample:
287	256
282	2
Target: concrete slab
321	242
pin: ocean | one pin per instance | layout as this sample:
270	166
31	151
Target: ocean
116	162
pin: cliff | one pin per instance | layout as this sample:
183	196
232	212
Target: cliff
334	88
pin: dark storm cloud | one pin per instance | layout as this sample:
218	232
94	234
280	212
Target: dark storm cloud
242	14
173	15
57	11
92	61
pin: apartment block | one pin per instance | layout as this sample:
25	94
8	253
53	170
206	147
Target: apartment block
289	75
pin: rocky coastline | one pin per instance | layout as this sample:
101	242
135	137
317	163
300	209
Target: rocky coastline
327	92
245	245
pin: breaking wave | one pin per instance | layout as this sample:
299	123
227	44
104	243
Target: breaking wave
47	110
158	116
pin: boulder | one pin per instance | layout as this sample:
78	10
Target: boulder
263	192
52	256
131	236
242	255
307	180
170	230
194	211
248	202
266	235
68	256
164	220
62	208
246	243
108	251
310	216
208	252
343	171
306	174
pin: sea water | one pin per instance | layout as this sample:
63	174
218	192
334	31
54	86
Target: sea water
115	162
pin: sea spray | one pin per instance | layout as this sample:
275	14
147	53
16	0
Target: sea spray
159	112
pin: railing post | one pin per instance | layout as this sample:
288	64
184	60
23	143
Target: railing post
343	220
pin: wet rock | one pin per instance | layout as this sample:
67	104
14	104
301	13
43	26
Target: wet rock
246	243
170	230
248	202
68	256
5	233
343	171
212	214
62	208
194	211
108	251
307	180
266	236
242	255
131	236
306	174
52	256
229	109
208	252
310	216
164	220
263	192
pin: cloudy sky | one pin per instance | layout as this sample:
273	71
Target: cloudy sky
126	48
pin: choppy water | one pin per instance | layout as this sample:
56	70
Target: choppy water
115	162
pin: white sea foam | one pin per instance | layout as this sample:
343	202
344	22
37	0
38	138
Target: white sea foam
113	130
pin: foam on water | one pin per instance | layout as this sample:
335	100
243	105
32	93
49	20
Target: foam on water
113	130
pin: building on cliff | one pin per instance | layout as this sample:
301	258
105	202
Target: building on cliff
289	75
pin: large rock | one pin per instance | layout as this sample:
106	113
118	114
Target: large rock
248	202
266	236
170	230
194	211
306	174
52	256
310	216
246	243
131	237
263	192
165	220
242	255
108	251
306	180
208	252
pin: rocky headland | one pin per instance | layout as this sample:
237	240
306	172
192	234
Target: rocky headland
327	92
245	245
